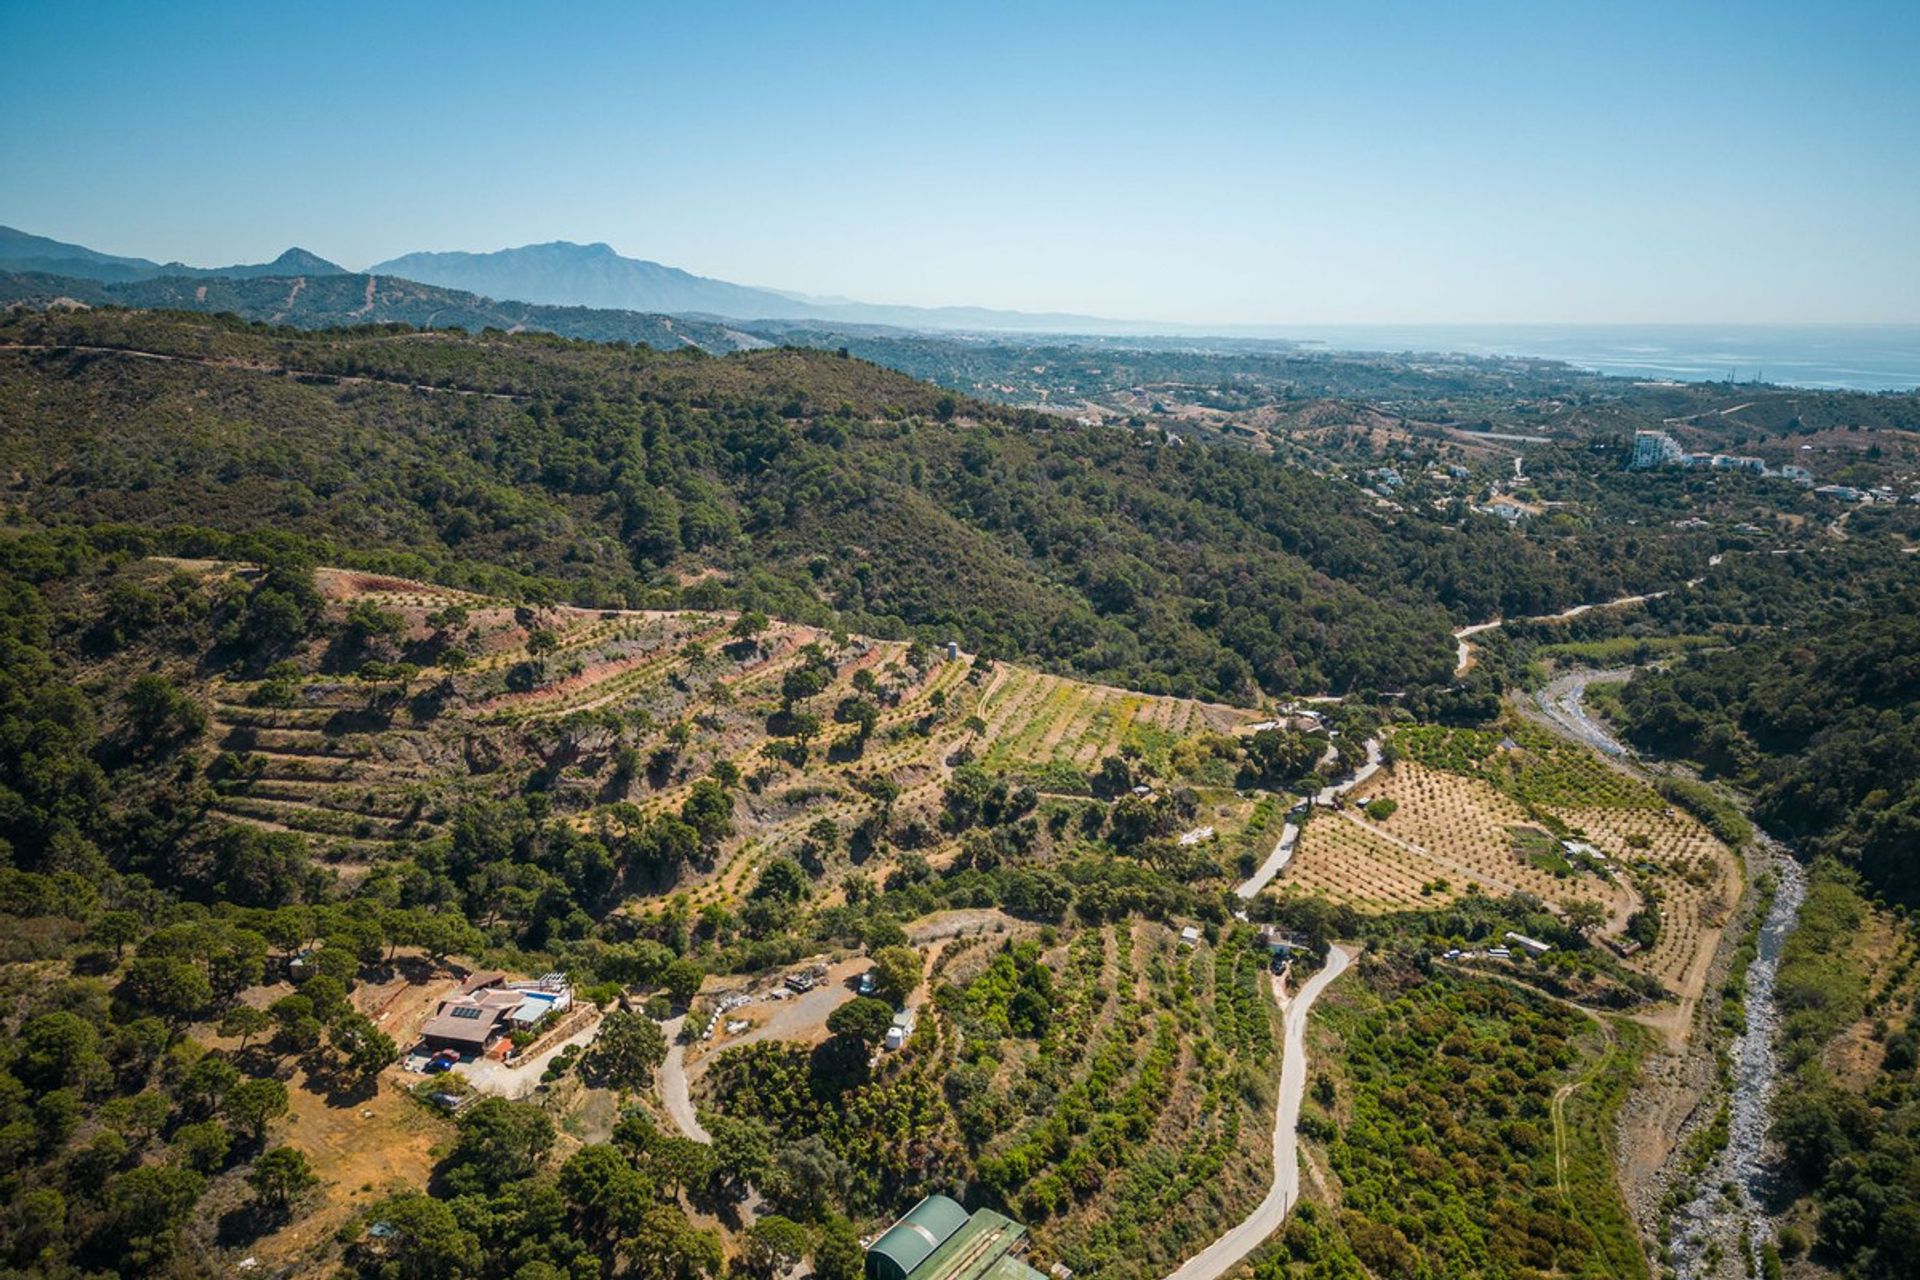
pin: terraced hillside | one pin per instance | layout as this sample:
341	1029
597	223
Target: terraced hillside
1500	812
688	810
1035	720
623	713
1111	1087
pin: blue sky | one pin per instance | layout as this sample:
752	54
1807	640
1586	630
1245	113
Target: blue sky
1279	162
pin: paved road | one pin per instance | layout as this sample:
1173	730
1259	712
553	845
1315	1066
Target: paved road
1360	775
1282	854
1276	863
1283	849
1225	1253
1464	663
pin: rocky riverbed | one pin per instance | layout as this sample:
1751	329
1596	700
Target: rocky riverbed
1716	1234
1719	1231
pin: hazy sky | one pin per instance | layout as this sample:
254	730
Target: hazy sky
1329	162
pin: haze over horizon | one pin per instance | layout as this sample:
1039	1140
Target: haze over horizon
1241	165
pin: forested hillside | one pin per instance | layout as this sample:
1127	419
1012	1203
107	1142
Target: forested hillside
803	483
338	665
1821	724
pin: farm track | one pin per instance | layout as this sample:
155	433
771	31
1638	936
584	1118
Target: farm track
1465	659
1225	1253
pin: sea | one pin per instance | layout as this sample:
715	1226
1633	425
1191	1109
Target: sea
1835	357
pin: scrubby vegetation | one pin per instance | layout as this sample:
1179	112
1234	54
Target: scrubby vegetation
611	476
1450	1124
1849	1133
1819	725
334	665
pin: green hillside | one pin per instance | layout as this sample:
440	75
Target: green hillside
803	483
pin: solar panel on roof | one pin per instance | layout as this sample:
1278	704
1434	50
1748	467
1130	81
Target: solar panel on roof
465	1011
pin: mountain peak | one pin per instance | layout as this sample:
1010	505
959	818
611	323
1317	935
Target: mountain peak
567	273
298	261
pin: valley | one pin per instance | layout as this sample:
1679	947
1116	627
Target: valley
1038	642
822	792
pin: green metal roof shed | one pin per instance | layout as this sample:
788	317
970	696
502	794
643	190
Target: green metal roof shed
980	1250
910	1241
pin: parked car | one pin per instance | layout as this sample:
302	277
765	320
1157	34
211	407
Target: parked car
442	1061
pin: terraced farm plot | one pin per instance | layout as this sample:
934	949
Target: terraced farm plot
1469	829
617	708
1038	719
1699	880
1121	1134
1345	862
1461	828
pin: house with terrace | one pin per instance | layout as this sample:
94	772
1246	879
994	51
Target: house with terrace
488	1007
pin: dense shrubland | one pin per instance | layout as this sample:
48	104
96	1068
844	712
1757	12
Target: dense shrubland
824	488
1822	726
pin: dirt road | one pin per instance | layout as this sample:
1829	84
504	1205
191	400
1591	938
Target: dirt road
1465	658
490	1075
792	1017
675	1090
1220	1257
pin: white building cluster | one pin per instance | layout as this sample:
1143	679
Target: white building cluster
1655	449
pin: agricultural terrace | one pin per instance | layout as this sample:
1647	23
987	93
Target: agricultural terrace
1111	1088
1518	811
1053	731
431	703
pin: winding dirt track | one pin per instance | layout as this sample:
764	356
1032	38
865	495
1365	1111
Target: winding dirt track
1220	1257
1290	831
675	1090
1465	658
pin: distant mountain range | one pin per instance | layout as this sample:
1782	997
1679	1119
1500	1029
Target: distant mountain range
566	274
589	275
21	251
560	274
322	301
